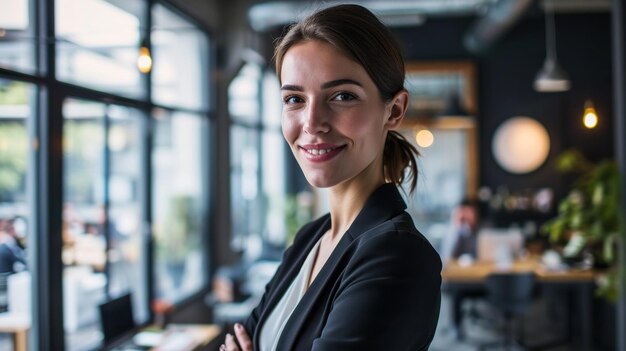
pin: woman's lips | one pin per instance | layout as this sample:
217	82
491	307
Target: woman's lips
321	152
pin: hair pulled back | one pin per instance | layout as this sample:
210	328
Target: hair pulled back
360	35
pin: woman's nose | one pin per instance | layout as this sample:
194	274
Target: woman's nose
316	119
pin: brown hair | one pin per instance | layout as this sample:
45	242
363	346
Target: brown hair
360	35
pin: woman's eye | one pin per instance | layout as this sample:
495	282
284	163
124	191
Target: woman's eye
345	97
292	99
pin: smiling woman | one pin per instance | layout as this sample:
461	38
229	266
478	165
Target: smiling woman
342	87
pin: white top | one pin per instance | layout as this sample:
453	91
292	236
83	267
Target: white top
273	326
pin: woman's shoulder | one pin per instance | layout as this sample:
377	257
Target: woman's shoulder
397	234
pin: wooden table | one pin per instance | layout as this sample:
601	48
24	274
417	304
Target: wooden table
18	325
180	337
582	282
478	272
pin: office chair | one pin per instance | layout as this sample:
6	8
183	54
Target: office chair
512	295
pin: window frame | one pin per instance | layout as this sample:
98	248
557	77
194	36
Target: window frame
46	159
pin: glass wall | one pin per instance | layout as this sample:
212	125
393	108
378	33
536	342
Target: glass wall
259	204
17	117
132	179
17	36
98	42
102	242
179	204
180	74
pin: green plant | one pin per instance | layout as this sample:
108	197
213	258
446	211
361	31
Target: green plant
590	217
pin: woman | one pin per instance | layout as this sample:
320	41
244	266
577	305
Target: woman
361	277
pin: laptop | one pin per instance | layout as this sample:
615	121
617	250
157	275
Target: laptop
491	242
118	323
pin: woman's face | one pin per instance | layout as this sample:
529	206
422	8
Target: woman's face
333	116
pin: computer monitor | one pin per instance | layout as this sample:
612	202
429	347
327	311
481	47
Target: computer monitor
491	242
116	317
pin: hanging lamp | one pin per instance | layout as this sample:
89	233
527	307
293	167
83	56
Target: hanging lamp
551	77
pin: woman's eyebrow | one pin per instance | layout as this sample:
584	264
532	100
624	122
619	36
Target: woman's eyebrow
292	87
331	84
334	83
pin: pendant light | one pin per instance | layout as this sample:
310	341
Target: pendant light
144	58
590	116
551	77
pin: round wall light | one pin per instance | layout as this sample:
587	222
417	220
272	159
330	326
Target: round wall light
520	145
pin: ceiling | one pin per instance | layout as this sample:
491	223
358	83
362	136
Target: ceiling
493	18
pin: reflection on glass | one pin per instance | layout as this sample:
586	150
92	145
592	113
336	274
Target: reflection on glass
17	39
178	202
180	56
101	165
98	42
16	113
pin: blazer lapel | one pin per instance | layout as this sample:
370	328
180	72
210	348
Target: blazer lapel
385	203
289	276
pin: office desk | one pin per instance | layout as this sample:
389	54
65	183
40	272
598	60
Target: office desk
175	337
581	282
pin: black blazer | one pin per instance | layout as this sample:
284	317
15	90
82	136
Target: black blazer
379	289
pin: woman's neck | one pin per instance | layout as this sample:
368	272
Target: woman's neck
346	201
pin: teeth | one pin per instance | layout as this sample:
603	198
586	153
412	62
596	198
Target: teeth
318	151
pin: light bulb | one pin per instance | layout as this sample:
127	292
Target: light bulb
590	117
424	138
144	61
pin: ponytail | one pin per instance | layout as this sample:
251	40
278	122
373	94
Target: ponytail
400	154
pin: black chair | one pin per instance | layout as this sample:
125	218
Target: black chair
511	294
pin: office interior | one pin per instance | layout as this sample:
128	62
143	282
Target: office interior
141	152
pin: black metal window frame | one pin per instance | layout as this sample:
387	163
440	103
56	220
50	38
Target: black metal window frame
46	181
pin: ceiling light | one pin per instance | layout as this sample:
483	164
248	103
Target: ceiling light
551	77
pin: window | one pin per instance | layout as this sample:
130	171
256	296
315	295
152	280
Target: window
17	102
102	241
111	162
258	175
17	36
179	204
180	76
98	42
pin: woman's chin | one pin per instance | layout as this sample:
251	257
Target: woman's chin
321	182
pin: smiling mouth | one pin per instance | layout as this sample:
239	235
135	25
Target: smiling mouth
321	153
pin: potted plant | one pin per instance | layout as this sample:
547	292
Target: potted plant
590	219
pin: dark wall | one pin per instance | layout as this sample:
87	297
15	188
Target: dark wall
505	78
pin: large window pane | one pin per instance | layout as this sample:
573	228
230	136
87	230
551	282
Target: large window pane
101	212
16	113
244	95
180	50
17	38
98	43
178	204
245	196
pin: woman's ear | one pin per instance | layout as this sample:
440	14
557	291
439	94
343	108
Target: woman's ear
396	109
